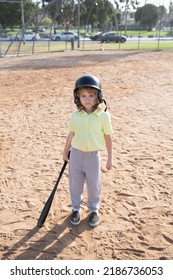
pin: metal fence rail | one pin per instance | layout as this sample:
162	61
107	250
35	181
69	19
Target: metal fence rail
17	48
45	45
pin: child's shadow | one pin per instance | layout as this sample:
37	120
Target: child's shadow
48	246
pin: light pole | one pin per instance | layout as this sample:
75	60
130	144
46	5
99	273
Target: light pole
78	20
23	21
0	49
97	17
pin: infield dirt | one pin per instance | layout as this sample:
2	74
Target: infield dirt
136	211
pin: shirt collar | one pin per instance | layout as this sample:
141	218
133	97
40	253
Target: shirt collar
96	112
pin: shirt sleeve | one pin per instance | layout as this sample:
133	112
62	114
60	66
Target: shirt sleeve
71	126
107	125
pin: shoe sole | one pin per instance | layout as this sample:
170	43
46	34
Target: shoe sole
75	223
94	224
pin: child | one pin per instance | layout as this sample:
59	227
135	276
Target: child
89	130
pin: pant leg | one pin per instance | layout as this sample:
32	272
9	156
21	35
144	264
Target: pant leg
76	178
92	173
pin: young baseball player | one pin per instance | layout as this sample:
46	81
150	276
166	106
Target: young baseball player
89	130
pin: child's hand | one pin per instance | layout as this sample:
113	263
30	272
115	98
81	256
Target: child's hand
65	157
109	164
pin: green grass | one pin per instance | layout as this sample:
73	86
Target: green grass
94	46
162	45
147	33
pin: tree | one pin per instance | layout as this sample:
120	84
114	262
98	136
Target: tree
100	14
171	24
147	16
171	10
126	3
161	14
63	12
125	6
92	12
10	13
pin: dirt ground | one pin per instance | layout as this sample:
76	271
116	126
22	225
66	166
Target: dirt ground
136	211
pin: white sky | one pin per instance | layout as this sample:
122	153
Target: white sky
164	3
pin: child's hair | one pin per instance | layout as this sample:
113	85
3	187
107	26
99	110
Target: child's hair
90	90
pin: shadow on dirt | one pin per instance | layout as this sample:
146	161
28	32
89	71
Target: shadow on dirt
46	245
61	60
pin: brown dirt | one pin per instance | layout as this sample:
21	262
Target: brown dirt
136	207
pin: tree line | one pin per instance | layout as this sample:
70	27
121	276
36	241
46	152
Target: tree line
97	14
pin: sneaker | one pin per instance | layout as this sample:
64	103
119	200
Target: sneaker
93	219
75	218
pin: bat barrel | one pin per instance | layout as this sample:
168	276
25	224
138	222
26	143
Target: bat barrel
48	204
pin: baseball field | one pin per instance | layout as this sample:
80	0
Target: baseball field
36	101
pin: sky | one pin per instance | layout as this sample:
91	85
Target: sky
164	3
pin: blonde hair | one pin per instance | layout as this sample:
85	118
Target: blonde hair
90	90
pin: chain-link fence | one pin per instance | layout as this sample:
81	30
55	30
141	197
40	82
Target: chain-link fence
43	45
26	42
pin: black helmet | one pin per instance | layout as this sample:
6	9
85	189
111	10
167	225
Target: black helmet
88	81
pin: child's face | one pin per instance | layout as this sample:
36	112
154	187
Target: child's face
88	98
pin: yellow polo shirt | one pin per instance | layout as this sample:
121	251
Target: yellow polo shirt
89	129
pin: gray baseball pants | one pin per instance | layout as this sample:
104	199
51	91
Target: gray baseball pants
84	166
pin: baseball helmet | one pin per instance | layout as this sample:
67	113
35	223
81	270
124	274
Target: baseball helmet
88	81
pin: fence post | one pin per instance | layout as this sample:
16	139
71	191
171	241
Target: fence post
0	49
72	44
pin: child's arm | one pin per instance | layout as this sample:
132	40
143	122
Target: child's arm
108	140
67	145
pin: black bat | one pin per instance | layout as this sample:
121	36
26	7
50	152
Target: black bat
48	204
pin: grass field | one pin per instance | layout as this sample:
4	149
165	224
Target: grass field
37	47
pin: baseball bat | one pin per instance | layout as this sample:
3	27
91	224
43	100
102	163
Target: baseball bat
48	203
